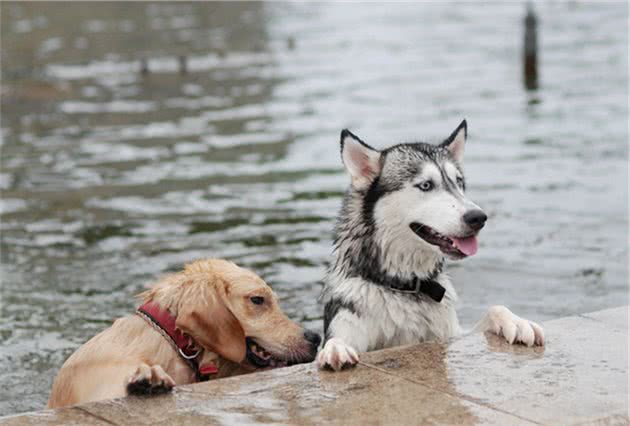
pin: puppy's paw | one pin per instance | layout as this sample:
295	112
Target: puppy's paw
336	355
501	321
149	381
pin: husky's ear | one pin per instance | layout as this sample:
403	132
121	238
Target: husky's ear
361	160
456	141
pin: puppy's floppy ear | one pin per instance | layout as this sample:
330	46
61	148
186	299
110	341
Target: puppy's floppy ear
212	325
361	160
456	141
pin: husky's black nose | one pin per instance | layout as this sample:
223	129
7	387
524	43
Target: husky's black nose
312	338
476	219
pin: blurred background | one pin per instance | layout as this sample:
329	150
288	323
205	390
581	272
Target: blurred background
140	136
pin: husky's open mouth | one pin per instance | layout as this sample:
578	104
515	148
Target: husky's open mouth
260	358
456	247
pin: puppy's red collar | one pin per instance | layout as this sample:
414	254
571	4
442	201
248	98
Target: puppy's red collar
164	322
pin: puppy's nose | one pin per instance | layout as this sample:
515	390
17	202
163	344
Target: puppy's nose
476	219
312	337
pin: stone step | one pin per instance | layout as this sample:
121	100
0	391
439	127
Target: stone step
580	377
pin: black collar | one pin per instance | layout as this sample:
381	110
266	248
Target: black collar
430	287
416	285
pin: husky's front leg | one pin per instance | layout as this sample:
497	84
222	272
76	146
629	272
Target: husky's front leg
345	337
502	322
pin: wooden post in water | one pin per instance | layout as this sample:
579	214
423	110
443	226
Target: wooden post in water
291	43
183	67
530	49
144	66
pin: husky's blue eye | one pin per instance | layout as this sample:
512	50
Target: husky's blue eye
257	300
425	186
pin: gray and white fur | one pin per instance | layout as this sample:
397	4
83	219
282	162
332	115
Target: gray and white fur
405	211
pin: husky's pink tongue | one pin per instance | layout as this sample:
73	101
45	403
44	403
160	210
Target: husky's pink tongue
467	245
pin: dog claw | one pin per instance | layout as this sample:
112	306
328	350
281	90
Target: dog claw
501	321
539	334
148	380
337	355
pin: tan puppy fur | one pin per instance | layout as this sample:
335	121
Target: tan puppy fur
211	300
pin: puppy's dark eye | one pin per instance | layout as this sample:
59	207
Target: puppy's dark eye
460	181
425	186
257	300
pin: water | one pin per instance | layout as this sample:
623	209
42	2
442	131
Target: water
110	177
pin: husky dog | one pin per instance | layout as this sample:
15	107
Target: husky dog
405	211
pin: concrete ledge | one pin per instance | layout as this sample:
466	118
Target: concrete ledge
579	378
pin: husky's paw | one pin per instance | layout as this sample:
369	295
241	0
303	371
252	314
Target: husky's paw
149	381
336	355
501	321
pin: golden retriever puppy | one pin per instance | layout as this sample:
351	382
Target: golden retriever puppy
212	320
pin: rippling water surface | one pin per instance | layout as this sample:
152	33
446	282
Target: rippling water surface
110	177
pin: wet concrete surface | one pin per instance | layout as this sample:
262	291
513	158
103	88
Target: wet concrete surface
579	377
